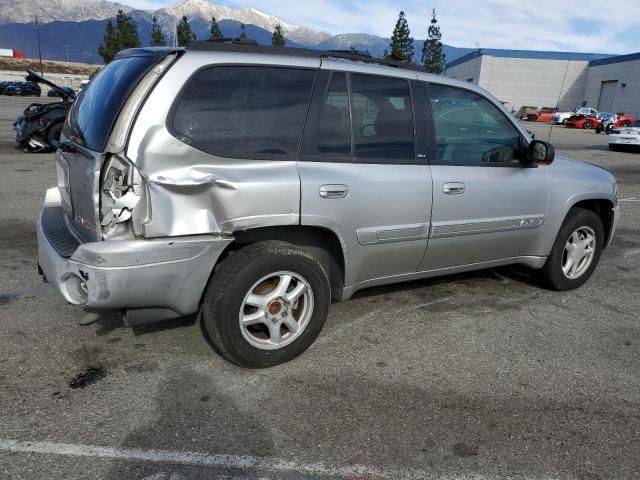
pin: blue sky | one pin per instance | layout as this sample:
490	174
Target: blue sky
573	25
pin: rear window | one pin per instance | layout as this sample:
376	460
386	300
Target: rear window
244	112
94	113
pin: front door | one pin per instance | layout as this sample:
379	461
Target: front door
486	205
361	175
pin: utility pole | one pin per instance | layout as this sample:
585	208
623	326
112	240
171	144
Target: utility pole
39	51
67	47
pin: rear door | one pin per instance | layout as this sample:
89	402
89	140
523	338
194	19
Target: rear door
486	205
364	173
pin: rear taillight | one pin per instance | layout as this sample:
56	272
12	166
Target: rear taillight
123	199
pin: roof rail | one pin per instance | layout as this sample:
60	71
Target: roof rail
251	46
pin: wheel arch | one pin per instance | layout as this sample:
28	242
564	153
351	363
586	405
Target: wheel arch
601	207
321	242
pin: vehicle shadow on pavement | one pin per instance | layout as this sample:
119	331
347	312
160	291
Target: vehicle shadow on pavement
193	414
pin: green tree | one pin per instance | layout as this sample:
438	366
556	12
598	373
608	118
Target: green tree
242	32
184	33
109	46
157	37
401	41
215	29
123	35
277	40
433	58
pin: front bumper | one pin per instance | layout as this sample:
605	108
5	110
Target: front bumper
164	273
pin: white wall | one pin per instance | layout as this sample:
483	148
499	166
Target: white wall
627	98
466	70
534	82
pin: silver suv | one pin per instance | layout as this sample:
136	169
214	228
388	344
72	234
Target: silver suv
255	185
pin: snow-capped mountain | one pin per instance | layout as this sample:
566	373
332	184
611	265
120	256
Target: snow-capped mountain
250	16
73	29
25	11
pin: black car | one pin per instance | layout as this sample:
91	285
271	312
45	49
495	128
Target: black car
40	124
55	93
28	88
4	86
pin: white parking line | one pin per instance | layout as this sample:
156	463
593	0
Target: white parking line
236	462
630	199
206	460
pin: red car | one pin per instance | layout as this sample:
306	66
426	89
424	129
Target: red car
623	120
582	121
541	115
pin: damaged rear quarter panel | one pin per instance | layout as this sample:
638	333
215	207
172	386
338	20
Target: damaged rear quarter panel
193	192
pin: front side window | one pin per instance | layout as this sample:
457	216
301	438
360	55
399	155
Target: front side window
382	119
471	130
244	111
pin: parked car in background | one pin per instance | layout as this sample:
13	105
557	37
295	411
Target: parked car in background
625	138
24	89
56	93
541	115
614	120
258	191
4	85
40	124
582	121
559	118
521	114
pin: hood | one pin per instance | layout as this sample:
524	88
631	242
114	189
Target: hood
64	94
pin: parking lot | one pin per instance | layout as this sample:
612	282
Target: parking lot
481	375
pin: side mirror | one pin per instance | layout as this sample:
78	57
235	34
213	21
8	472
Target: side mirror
540	153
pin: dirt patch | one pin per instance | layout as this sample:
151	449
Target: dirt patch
48	66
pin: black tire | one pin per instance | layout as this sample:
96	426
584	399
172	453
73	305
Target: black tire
54	133
552	271
613	147
626	123
564	122
234	278
599	129
588	124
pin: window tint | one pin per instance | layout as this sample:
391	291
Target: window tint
333	135
470	130
382	119
244	111
92	116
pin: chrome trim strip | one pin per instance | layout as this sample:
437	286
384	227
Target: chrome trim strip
392	233
486	225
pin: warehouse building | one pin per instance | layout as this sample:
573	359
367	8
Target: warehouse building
543	79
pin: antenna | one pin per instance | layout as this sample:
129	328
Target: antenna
558	102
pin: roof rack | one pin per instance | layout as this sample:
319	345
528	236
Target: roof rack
251	46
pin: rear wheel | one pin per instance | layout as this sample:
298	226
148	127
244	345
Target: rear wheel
626	123
266	304
587	124
576	251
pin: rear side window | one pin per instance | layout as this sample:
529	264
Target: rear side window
92	116
244	111
382	119
334	130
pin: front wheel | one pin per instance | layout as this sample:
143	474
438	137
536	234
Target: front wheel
576	251
266	304
588	124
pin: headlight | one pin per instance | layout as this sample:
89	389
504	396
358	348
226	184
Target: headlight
123	198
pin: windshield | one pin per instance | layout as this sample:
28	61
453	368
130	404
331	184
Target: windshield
94	113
